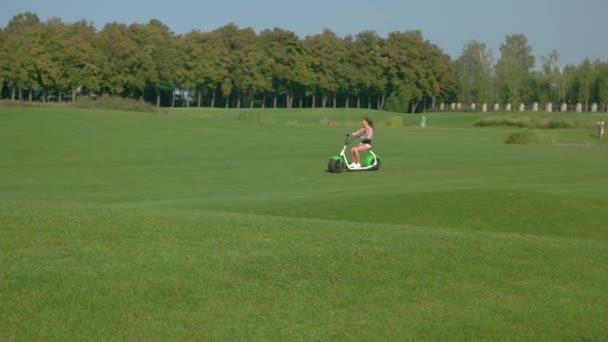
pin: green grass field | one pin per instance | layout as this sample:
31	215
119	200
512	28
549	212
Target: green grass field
208	224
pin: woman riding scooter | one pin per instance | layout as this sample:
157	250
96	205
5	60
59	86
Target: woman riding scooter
365	134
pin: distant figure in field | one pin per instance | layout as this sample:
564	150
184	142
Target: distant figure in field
600	128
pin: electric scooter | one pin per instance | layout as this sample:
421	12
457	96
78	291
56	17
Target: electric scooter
338	163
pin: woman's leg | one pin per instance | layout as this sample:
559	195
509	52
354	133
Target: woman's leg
358	149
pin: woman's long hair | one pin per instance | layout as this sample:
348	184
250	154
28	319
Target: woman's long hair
370	122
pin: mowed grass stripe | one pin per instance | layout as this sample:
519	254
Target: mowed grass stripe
81	271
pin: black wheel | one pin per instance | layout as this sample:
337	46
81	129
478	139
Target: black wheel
335	165
377	166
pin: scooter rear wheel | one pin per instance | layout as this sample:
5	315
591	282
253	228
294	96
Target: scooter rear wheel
335	165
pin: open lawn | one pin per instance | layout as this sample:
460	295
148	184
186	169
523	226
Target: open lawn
206	224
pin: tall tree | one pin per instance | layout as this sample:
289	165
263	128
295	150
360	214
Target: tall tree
349	78
474	73
439	76
200	66
370	65
246	62
79	72
18	52
327	51
585	81
2	57
116	58
48	66
411	61
288	65
602	85
234	76
513	69
551	82
157	58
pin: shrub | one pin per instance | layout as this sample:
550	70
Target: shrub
117	103
530	122
398	103
558	123
502	121
394	121
529	136
249	116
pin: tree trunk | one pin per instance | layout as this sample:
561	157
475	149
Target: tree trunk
301	102
238	102
30	96
264	101
335	101
314	101
251	102
274	101
172	100
289	101
324	100
358	101
198	100
227	102
73	95
157	99
347	101
13	94
213	100
369	102
43	95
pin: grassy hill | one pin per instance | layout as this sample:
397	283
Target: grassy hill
223	224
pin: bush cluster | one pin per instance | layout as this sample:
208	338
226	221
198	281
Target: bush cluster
529	136
249	116
116	103
528	122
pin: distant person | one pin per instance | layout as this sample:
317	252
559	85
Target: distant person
365	134
600	128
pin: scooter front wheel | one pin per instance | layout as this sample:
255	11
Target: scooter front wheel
335	165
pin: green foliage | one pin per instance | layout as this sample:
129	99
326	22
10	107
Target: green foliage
254	116
394	121
236	67
530	136
513	69
499	121
557	123
116	103
474	73
398	103
537	121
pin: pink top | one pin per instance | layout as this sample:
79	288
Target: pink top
364	133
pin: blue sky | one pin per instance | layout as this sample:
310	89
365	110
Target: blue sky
575	28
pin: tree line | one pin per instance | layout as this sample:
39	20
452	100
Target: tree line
237	67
